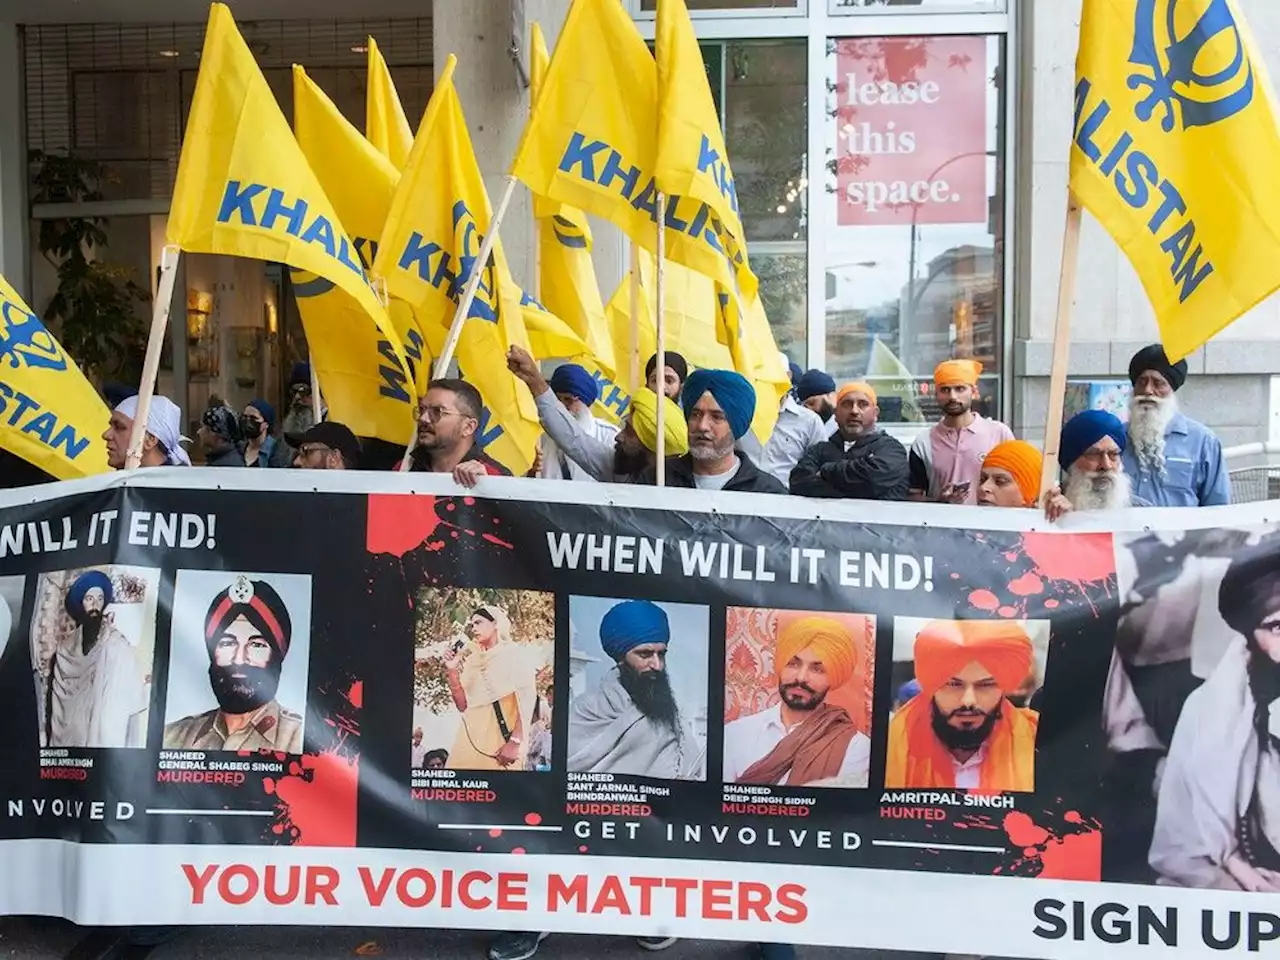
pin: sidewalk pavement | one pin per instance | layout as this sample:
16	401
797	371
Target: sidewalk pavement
43	939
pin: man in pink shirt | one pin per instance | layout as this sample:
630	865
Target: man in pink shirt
945	461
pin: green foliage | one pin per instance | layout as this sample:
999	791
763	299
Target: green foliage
442	612
94	310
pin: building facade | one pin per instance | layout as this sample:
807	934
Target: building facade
901	167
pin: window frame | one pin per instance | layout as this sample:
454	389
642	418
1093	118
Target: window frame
817	25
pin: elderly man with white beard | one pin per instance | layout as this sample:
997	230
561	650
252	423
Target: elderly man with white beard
1173	460
1091	455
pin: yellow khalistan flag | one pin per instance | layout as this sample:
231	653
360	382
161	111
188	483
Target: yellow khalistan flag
591	141
361	182
568	286
426	254
1176	152
53	418
386	126
244	189
692	160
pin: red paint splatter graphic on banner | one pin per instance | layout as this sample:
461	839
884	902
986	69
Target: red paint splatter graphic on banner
1046	570
1070	848
402	524
317	801
316	797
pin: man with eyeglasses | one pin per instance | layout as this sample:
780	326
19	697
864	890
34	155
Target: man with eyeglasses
328	446
448	419
1091	455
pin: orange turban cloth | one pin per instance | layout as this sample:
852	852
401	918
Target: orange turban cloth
858	386
957	373
1023	461
917	758
831	643
945	647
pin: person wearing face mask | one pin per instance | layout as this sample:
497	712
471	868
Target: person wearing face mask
1174	461
861	461
261	447
1218	811
247	631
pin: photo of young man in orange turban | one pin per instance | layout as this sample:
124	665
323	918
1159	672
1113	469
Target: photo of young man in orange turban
962	730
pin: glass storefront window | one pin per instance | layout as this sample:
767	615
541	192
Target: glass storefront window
916	6
763	91
649	6
912	207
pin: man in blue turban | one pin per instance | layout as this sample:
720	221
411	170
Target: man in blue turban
630	724
575	391
1090	454
94	695
718	406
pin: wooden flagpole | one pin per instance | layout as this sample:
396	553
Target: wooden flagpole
660	329
634	345
155	343
1061	345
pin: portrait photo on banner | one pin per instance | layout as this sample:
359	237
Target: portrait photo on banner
1192	710
638	688
963	714
483	676
93	634
238	661
797	697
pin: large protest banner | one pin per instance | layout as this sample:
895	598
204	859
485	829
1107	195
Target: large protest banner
618	710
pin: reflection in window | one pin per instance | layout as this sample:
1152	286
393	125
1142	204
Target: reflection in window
765	101
913	203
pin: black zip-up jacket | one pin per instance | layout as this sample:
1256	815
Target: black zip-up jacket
874	468
748	479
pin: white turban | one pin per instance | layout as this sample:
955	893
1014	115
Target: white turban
164	422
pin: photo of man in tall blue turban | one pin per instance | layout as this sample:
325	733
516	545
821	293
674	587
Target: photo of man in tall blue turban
630	723
95	696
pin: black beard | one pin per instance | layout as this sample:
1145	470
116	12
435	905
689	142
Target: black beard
90	629
1264	684
651	693
955	739
813	704
243	695
629	463
826	412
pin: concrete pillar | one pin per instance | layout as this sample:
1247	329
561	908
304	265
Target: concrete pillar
496	103
14	231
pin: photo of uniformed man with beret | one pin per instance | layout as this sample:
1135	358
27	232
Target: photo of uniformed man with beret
247	633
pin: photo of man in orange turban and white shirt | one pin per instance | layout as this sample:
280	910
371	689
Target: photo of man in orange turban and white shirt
802	740
962	730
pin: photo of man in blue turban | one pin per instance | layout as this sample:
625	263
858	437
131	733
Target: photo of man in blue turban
630	723
94	694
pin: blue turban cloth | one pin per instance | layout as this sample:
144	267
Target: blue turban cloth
300	374
736	396
632	623
814	383
84	583
574	380
1084	430
267	410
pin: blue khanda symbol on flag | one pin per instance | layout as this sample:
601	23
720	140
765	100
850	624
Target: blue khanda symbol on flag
1171	52
24	341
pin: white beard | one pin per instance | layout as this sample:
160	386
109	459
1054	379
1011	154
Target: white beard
1149	418
1098	490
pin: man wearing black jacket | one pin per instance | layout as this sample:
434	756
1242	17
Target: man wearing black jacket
448	418
860	461
718	406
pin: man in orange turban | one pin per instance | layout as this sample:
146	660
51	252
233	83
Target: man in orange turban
803	739
961	731
1010	475
946	460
